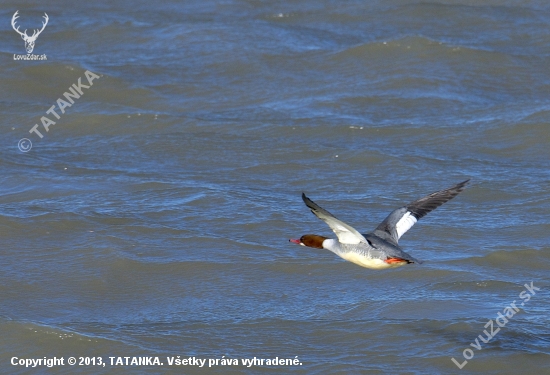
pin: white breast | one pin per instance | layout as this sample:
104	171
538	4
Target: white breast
367	262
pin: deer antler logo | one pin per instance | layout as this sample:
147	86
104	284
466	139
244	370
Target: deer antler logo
29	40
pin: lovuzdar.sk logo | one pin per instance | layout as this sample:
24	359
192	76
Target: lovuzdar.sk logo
29	39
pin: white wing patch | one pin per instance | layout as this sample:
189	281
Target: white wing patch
346	233
404	224
345	236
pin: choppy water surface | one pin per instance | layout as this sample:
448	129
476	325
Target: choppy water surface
152	219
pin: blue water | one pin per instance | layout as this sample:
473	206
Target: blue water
152	220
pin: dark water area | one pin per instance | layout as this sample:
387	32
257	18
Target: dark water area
152	219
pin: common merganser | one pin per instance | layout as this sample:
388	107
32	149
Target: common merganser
379	249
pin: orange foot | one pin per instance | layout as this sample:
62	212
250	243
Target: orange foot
395	260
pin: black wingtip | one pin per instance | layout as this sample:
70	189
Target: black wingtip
461	185
423	206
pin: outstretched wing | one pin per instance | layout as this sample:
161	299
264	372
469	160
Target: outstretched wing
401	220
345	233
